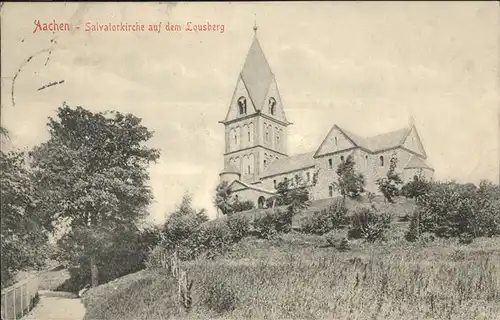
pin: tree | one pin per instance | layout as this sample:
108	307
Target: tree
95	168
181	226
350	183
24	226
294	195
391	183
416	188
223	198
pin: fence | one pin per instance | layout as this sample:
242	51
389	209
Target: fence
172	265
19	299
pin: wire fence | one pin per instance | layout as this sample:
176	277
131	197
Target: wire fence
18	299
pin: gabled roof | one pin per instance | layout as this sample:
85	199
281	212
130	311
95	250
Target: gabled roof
379	142
417	163
289	164
256	74
386	140
249	186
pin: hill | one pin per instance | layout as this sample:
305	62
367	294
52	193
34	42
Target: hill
296	277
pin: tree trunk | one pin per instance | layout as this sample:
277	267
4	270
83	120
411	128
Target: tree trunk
94	271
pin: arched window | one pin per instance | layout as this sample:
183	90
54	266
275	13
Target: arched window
297	179
342	158
272	105
248	169
265	163
415	178
248	133
330	191
330	163
267	134
235	139
308	176
242	104
366	161
381	161
336	142
274	181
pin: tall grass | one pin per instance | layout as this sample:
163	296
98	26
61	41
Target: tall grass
287	280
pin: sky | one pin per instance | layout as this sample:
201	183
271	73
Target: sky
366	66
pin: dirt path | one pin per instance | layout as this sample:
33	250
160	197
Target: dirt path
57	306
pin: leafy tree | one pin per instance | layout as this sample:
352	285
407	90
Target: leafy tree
391	183
95	168
223	198
226	203
24	227
350	183
416	188
181	226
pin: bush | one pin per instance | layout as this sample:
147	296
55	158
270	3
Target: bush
239	206
369	225
273	222
239	226
457	210
264	226
219	297
321	222
212	238
416	188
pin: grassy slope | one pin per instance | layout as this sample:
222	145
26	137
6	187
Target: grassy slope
296	277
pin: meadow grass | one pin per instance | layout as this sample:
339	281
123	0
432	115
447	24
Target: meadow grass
295	277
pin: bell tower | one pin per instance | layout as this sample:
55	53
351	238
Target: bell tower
255	124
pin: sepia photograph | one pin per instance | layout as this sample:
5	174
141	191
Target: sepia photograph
250	160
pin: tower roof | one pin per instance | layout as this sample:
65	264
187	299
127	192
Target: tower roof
256	74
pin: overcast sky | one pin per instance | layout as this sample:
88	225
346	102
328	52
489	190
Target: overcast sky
366	66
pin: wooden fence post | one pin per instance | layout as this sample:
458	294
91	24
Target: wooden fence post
22	300
184	290
14	304
6	315
175	265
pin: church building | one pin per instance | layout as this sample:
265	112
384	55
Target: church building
256	157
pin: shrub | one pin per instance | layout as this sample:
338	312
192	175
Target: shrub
367	224
239	206
457	210
321	222
239	226
212	238
219	297
416	188
265	226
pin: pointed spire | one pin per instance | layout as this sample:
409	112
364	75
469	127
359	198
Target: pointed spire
256	74
255	24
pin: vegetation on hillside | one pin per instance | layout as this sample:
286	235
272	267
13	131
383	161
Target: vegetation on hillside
290	278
